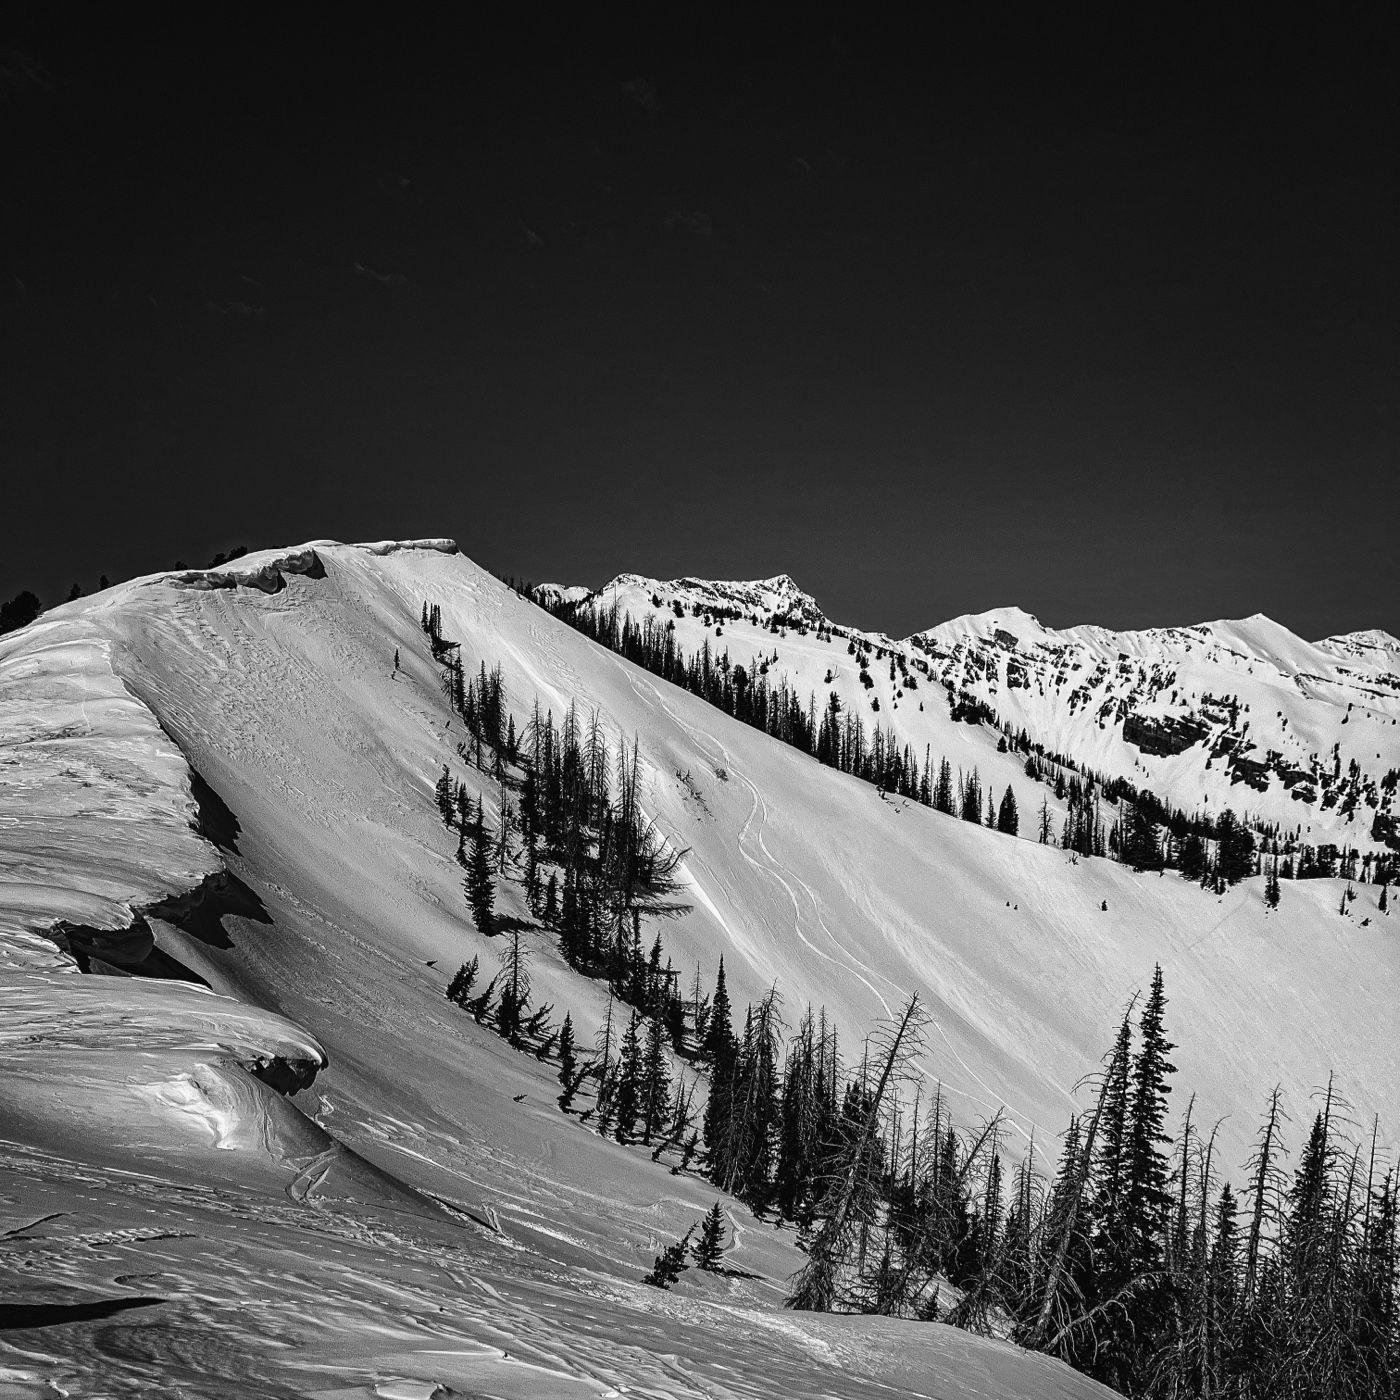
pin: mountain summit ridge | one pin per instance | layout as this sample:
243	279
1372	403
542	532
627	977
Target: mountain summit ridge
1240	712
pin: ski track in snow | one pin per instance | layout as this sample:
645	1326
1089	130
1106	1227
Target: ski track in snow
769	868
985	1097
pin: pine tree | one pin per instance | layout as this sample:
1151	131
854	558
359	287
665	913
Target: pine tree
604	1045
656	1081
670	1264
1101	1349
628	1100
1147	1197
972	798
719	1038
1234	849
1222	1320
568	1056
1008	818
1271	889
515	990
943	791
709	1248
1192	860
460	987
479	886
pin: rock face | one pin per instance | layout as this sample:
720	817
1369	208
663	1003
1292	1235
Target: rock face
1168	735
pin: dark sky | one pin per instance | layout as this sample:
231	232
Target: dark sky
1098	322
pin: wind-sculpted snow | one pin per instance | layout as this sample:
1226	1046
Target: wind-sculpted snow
268	576
383	547
295	1240
96	813
43	1017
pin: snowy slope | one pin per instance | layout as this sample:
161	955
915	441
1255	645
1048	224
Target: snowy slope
1238	714
334	917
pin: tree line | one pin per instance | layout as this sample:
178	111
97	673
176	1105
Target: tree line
1106	817
1137	1263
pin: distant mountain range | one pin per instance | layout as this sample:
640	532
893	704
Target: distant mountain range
1295	736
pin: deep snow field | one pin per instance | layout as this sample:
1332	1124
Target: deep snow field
222	773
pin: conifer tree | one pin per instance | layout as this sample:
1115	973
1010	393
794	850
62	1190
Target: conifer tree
1221	1320
671	1263
515	988
568	1056
605	1044
1147	1170
479	886
1100	1348
943	791
972	798
460	987
709	1247
656	1081
1008	818
719	1037
628	1101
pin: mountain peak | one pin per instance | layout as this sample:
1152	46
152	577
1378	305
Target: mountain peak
777	594
1012	620
780	583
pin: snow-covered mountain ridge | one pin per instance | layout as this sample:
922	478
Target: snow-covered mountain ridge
233	774
1299	736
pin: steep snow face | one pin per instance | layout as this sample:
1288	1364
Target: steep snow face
131	1114
1240	714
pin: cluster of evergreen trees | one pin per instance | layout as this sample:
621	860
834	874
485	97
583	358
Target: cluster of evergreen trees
1137	1264
19	611
570	828
707	1250
835	736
